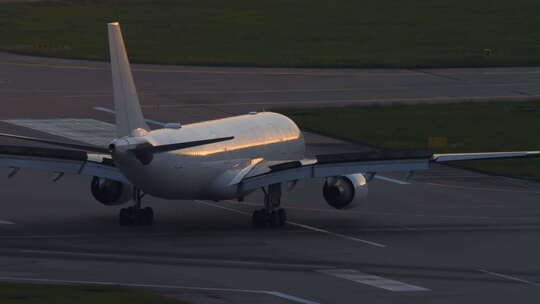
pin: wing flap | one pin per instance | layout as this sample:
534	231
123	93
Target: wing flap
334	165
373	156
485	155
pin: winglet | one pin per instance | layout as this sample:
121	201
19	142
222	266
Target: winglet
126	101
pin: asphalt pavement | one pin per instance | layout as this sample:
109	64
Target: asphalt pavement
444	236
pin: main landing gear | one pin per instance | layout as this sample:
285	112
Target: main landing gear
136	215
271	215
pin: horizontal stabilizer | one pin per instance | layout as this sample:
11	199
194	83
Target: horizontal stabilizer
145	152
189	144
58	162
86	148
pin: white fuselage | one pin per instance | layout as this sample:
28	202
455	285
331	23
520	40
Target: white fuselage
211	171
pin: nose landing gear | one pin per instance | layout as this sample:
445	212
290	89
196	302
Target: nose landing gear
271	215
136	215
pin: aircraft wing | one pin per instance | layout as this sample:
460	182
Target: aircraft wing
59	161
268	172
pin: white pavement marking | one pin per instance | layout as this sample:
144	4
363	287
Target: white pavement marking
2	222
372	280
367	101
401	214
511	278
481	188
142	285
90	131
222	207
307	227
350	238
392	180
173	259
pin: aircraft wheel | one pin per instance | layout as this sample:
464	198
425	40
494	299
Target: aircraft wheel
140	217
123	217
273	219
258	219
282	216
148	215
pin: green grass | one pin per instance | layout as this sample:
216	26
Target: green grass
340	33
468	127
24	293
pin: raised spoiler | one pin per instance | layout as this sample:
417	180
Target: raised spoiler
335	165
59	161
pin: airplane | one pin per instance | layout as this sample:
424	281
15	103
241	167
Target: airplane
211	160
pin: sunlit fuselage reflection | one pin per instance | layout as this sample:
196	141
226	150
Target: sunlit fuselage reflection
210	171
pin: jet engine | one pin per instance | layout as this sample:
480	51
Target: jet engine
344	192
110	192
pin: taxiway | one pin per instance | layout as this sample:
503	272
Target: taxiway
445	236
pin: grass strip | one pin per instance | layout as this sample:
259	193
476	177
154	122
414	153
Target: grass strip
442	128
26	293
309	33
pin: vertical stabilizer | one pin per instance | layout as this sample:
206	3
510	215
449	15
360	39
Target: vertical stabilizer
126	101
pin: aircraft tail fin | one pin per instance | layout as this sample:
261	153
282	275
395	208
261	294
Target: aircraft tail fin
126	101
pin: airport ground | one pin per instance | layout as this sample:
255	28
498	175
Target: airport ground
446	236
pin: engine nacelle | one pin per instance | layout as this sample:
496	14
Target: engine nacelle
344	192
110	192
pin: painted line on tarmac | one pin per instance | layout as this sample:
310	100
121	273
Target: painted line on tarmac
491	227
235	263
241	92
404	100
480	188
347	237
311	90
372	280
511	278
307	227
74	64
102	93
225	70
3	222
144	285
392	180
397	214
